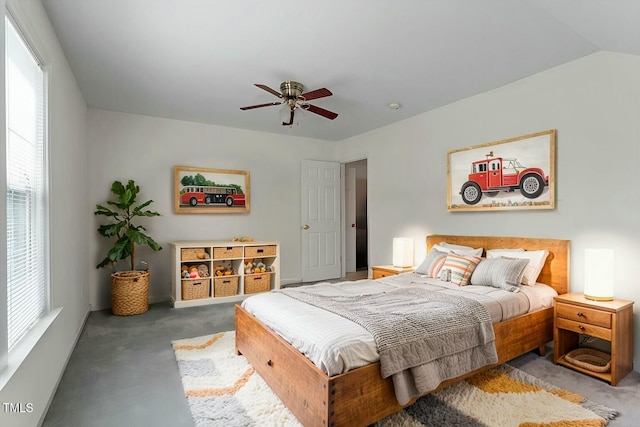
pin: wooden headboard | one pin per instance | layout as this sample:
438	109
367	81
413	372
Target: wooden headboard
555	272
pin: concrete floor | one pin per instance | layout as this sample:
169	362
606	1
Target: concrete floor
123	371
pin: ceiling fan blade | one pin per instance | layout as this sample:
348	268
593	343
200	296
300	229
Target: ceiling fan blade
321	111
315	94
290	120
251	107
268	89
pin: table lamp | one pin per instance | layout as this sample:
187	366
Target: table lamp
402	252
598	274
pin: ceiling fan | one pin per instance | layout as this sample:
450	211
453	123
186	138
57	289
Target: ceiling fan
291	95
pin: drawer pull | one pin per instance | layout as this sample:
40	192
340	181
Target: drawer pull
580	314
269	362
581	327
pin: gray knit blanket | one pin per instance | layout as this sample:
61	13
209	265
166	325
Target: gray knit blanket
414	327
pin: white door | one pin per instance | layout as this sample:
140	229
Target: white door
320	220
350	220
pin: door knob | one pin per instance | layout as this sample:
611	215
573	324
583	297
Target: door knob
305	227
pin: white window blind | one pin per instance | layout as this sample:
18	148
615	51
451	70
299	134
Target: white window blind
27	213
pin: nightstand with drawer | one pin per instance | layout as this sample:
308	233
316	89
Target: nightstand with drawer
379	271
612	321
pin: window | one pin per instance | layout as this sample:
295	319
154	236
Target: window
26	192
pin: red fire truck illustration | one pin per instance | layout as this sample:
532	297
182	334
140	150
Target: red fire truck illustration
495	174
193	195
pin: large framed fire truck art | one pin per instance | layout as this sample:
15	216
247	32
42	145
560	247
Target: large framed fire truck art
512	174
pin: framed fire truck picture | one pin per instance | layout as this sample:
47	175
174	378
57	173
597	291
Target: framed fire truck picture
200	190
512	174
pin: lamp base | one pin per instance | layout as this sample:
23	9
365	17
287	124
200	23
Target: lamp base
598	298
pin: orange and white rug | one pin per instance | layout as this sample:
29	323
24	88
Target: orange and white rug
223	390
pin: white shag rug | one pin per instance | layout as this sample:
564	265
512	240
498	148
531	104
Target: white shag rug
222	389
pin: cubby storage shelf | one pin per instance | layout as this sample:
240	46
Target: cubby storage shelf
207	256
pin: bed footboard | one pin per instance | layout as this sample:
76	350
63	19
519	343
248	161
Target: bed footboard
360	396
292	377
356	398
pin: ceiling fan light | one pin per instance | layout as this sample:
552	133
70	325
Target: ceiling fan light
300	115
284	113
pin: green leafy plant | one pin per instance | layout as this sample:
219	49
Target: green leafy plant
123	213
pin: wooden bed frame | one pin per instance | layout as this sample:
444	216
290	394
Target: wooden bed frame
361	396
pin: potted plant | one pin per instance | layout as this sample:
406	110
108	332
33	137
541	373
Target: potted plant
129	289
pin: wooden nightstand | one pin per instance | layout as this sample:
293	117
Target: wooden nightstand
388	270
612	321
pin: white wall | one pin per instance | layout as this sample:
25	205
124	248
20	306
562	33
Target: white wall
36	378
128	146
594	103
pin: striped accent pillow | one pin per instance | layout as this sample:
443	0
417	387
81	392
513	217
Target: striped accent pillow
461	267
436	266
500	273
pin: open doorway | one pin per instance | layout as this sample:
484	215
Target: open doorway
356	227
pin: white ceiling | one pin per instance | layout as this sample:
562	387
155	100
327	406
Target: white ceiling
197	60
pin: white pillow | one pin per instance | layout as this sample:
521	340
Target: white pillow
532	270
448	247
457	249
504	250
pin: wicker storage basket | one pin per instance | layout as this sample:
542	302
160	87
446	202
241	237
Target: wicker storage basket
590	359
259	251
193	253
225	286
129	292
195	289
254	283
227	252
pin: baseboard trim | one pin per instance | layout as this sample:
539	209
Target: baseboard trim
64	367
286	282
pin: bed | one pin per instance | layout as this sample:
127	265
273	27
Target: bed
361	396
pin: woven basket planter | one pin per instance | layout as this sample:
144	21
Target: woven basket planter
129	292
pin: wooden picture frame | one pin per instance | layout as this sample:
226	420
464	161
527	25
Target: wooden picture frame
204	190
512	174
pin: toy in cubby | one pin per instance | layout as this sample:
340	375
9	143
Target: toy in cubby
257	266
193	271
223	270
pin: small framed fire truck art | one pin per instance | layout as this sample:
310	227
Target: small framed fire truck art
512	174
201	190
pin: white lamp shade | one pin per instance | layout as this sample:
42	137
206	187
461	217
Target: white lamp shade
598	274
402	252
285	113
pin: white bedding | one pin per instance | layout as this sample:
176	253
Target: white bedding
337	345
